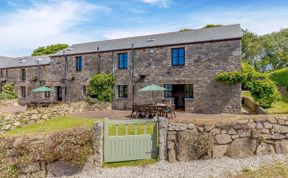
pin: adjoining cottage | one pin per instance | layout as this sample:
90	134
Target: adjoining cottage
26	72
183	62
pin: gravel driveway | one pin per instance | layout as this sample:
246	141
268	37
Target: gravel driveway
196	169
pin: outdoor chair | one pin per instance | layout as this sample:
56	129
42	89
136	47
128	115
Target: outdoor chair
169	110
152	110
141	110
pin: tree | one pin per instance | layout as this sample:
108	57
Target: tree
51	49
251	48
276	49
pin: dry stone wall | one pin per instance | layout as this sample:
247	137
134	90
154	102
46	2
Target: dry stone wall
63	153
237	139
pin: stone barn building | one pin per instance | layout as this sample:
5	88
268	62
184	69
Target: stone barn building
183	62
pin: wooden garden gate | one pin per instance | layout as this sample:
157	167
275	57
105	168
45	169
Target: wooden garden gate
130	140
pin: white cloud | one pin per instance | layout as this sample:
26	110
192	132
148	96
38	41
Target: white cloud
260	21
160	3
43	24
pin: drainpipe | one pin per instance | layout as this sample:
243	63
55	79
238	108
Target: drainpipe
98	61
113	74
39	71
133	76
65	76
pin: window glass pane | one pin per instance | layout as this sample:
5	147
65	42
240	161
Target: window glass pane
181	60
168	93
181	52
175	61
174	52
189	93
122	91
123	61
79	63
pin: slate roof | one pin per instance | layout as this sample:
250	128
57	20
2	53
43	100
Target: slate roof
4	60
163	39
23	61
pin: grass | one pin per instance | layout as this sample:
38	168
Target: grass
130	163
278	170
61	123
247	94
279	107
52	125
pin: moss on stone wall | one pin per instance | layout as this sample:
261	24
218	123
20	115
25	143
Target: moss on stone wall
29	154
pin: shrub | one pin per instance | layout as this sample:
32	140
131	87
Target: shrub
264	91
8	92
280	77
101	87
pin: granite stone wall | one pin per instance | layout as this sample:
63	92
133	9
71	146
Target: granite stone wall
63	153
236	139
153	66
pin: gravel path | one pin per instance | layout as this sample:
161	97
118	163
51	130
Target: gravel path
195	169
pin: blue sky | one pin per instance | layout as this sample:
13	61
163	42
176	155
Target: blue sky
28	24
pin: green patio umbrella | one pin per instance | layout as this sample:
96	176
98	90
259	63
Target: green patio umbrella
152	88
42	89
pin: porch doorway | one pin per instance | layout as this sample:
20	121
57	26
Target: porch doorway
178	94
59	93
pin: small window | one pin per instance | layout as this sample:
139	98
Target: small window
79	63
168	92
47	94
7	73
2	74
23	74
189	91
178	57
84	90
122	91
23	92
122	60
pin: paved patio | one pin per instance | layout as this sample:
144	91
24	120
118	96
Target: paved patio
12	109
181	116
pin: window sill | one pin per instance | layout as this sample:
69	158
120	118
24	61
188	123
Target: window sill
121	98
189	99
178	66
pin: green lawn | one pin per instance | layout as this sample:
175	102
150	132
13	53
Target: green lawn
62	123
247	94
279	107
52	125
